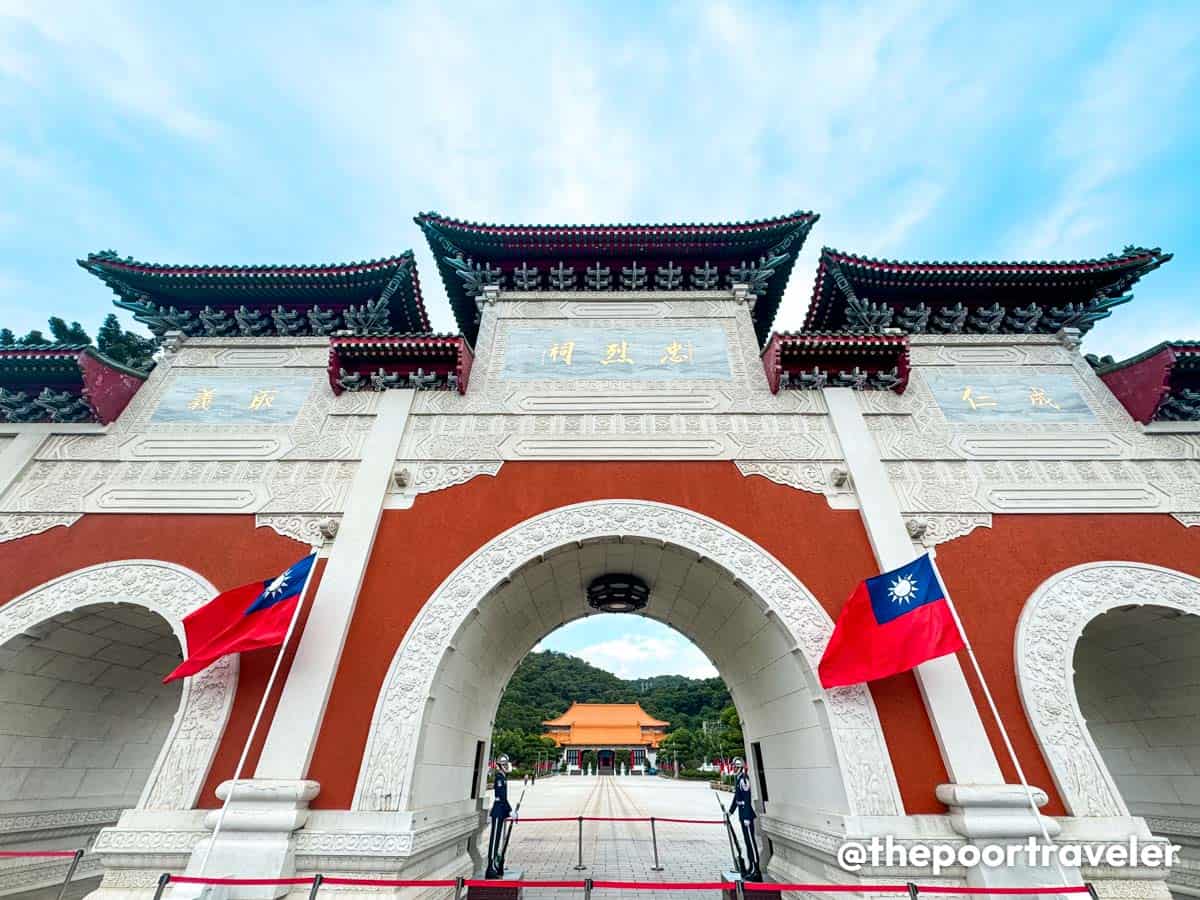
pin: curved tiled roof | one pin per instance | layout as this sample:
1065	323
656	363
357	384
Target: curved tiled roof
470	254
855	292
162	295
63	383
606	723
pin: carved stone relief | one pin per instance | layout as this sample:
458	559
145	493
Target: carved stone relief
18	525
307	529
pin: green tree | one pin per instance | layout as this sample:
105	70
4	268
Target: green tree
68	334
118	344
509	743
125	347
33	339
679	744
546	684
732	742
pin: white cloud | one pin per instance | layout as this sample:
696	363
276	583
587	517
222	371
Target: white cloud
1127	108
640	656
111	54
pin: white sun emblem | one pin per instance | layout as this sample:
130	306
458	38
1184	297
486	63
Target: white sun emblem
278	584
903	590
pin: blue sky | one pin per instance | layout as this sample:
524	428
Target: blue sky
255	133
631	646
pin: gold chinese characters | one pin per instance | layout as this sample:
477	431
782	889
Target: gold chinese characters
1038	397
260	398
618	352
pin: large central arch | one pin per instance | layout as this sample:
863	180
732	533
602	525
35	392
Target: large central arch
401	714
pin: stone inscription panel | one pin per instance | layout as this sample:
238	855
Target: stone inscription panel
1008	397
645	353
233	399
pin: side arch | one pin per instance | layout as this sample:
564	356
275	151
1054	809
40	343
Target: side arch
1050	626
385	779
172	592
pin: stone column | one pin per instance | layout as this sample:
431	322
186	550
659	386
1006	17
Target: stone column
982	806
256	839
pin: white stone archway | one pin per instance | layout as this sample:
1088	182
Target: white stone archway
172	592
385	780
1050	626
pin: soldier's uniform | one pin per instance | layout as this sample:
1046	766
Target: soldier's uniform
746	815
500	805
500	812
741	799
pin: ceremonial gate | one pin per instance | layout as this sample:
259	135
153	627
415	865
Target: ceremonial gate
616	403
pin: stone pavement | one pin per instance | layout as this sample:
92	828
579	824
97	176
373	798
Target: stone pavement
618	851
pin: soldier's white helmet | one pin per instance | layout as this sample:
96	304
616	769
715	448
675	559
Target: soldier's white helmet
739	763
503	762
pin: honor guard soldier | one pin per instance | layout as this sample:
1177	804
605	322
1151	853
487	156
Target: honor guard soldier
501	810
746	815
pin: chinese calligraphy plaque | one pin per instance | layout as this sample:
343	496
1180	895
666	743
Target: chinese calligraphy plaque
233	399
1008	398
647	353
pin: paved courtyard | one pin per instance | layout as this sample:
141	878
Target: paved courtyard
618	851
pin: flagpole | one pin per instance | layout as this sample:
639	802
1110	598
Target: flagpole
1012	754
262	705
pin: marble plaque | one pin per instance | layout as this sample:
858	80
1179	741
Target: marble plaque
233	399
1008	397
643	353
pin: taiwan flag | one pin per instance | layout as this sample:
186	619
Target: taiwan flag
891	623
246	618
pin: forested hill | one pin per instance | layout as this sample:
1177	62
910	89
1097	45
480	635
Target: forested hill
545	684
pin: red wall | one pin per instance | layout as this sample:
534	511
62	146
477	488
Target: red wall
418	548
991	572
227	550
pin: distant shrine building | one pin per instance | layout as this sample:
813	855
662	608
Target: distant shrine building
623	736
617	420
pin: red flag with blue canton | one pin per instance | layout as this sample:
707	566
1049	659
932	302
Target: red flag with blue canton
246	618
891	623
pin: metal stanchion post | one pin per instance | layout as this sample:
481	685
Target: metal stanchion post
459	883
654	843
739	889
62	891
316	886
163	880
1091	890
579	866
587	889
912	890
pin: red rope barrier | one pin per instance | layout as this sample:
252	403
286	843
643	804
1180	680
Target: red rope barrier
494	882
665	885
1061	889
618	819
613	819
12	854
188	879
391	882
691	821
548	819
750	886
829	888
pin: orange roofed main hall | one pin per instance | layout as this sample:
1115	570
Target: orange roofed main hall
607	728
